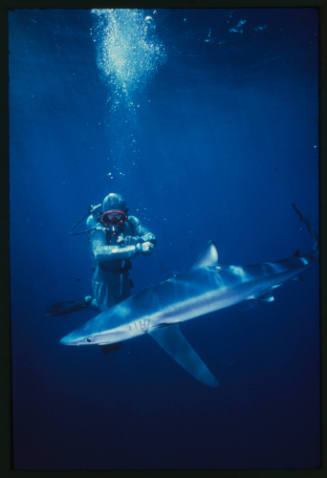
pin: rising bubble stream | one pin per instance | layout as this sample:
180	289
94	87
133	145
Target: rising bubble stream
128	50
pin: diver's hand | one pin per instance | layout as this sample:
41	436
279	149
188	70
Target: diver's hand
145	247
128	240
120	239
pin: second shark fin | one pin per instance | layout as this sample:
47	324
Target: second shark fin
264	297
209	257
175	344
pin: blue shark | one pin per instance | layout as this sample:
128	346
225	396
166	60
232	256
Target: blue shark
208	286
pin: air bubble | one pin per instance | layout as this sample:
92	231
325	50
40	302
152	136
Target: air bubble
128	53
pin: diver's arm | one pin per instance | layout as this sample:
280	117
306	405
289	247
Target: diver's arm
103	252
142	234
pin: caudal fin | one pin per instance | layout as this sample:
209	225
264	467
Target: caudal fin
309	228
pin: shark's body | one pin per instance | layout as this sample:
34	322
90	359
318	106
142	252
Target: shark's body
207	287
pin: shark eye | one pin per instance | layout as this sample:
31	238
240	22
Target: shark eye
88	339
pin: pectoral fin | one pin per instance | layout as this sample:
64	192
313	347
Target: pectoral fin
175	344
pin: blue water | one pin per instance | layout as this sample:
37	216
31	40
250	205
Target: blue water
209	128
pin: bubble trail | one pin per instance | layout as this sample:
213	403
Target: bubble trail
128	51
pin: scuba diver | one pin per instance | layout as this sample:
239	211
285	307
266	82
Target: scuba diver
114	239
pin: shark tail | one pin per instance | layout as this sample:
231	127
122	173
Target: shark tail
306	222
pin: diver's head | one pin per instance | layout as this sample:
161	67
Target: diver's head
114	201
114	213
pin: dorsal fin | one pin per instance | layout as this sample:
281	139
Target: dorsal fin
209	256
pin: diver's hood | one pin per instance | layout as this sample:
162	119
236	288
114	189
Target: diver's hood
114	201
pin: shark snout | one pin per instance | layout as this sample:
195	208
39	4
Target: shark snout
67	340
77	339
72	339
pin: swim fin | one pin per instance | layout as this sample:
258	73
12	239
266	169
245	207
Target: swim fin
66	307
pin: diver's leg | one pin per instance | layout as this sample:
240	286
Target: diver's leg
69	306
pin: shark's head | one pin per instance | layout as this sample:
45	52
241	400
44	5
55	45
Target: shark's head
82	337
109	327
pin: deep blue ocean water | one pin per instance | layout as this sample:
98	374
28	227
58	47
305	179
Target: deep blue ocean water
213	140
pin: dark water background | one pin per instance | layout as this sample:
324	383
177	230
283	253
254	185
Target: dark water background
225	138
